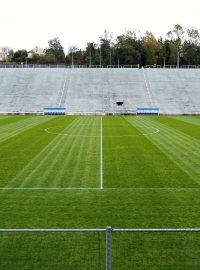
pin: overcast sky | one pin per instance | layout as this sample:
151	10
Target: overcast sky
25	23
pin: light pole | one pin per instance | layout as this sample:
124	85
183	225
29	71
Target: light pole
164	62
178	59
180	55
118	56
90	56
72	58
100	56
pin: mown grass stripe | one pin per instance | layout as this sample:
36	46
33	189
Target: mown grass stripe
92	156
5	116
77	162
34	173
37	160
13	129
176	134
66	156
182	149
73	167
184	127
187	119
81	153
12	119
80	172
190	141
63	162
180	141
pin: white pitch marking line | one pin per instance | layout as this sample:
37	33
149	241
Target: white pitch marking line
49	188
101	159
120	189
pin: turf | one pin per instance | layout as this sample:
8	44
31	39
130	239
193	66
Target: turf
50	177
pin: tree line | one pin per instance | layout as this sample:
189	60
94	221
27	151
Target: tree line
130	48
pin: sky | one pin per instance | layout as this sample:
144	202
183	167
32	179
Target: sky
25	24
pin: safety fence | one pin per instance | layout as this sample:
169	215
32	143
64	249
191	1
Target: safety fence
64	66
98	66
100	249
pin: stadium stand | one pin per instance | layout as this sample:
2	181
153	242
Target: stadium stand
97	91
29	90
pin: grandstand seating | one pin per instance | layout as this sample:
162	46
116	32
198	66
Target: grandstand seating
88	90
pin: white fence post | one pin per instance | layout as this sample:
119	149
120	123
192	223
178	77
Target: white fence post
108	248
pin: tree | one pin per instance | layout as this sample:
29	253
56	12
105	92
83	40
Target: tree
105	47
191	54
20	56
177	34
132	49
90	54
36	59
75	56
55	49
151	46
193	35
129	49
191	47
171	52
49	58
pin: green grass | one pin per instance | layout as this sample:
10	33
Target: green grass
151	178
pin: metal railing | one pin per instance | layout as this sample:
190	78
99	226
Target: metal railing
33	66
97	66
110	248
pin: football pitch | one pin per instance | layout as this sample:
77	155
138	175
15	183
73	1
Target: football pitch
94	172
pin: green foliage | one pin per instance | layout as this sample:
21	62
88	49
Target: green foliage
55	51
36	59
194	36
89	54
20	56
130	48
76	54
151	47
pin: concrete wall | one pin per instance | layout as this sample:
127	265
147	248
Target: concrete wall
97	90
